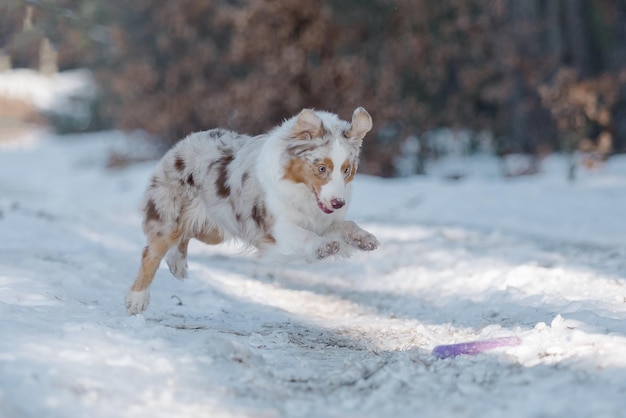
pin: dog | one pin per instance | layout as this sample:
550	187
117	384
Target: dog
284	193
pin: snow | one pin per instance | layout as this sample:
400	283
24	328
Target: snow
486	257
51	93
537	258
66	97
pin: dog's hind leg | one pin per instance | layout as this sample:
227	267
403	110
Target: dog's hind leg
177	256
138	296
177	259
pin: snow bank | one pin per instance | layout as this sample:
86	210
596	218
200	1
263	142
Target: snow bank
50	93
66	97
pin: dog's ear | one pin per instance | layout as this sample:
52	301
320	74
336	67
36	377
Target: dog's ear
308	125
361	124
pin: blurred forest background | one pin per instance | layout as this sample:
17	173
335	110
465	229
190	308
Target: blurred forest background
502	76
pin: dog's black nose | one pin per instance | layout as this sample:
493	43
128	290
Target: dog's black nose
337	203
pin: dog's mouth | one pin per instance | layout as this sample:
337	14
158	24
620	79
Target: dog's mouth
321	205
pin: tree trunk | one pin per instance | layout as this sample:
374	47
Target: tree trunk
577	46
618	63
553	29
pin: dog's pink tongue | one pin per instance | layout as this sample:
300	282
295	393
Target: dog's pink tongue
323	207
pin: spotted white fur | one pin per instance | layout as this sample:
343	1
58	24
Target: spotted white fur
284	193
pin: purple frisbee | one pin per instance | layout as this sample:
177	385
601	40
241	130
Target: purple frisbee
474	347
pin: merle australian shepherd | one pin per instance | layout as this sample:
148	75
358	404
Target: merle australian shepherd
284	193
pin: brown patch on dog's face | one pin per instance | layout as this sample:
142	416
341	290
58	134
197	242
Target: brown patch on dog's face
349	170
294	170
151	211
312	174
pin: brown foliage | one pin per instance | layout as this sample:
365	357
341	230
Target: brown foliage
576	105
174	66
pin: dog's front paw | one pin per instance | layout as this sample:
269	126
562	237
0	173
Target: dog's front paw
137	301
327	249
362	240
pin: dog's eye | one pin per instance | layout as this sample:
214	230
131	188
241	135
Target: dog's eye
347	170
321	169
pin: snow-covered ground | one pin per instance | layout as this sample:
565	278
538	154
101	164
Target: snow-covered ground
534	257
